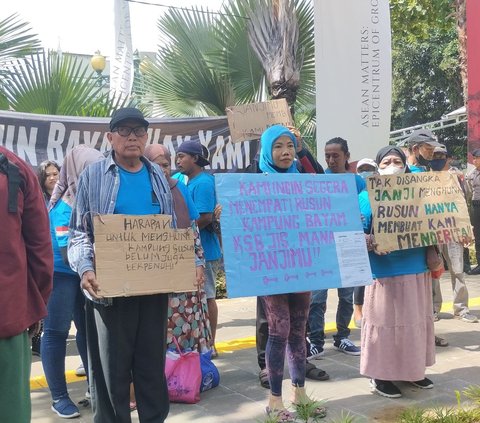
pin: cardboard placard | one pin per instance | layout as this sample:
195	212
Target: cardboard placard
418	209
142	255
248	121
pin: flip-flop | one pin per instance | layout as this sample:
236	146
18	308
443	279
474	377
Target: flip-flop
282	416
319	412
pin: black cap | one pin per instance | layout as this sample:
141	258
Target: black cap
421	136
127	113
194	148
476	152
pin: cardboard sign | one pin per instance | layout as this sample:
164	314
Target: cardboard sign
248	121
142	255
290	233
418	209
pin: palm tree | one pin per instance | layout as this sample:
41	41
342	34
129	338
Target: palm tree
273	34
56	84
207	62
16	41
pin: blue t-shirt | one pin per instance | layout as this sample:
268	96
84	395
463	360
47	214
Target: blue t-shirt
202	190
361	185
59	221
135	194
192	210
396	263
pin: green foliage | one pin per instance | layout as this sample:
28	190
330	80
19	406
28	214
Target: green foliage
208	65
413	20
48	83
427	85
306	409
459	414
16	41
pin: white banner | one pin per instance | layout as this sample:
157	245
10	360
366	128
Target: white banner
121	67
353	74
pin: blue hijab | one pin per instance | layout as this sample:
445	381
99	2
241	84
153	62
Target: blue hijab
267	140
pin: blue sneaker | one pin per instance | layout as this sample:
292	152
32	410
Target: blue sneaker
314	351
65	408
346	346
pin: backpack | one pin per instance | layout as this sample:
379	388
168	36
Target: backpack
13	176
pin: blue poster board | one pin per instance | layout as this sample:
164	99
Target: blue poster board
290	233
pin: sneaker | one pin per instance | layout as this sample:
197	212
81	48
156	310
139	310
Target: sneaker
385	388
467	317
423	384
80	371
475	271
314	351
346	346
65	408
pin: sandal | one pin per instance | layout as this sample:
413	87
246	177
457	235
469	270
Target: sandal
319	413
263	376
214	352
282	416
440	342
315	373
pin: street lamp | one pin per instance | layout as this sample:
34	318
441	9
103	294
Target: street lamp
98	63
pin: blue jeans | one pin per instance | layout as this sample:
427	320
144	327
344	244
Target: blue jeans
316	317
65	303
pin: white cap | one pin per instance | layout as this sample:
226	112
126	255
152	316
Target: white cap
366	161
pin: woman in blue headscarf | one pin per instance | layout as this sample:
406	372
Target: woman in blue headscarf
286	313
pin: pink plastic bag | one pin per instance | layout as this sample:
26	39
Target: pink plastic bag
182	370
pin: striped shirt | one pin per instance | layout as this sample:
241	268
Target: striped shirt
97	194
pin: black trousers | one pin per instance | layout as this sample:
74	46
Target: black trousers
126	341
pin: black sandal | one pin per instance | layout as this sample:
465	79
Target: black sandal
314	373
263	376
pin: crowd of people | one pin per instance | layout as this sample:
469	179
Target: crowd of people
49	268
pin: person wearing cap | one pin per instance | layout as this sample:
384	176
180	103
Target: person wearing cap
421	145
191	158
473	195
453	254
126	336
366	167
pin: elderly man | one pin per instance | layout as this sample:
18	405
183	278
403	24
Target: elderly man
127	335
26	272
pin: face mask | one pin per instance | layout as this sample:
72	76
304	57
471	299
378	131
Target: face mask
391	170
366	174
422	161
438	164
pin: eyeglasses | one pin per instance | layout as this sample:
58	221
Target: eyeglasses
125	131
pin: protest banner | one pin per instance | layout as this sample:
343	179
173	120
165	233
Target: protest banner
417	209
36	138
142	255
291	233
353	73
248	121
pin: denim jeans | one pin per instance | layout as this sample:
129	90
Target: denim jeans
316	317
65	303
